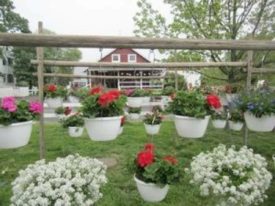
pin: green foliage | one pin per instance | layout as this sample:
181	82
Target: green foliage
189	103
259	103
22	114
236	115
170	81
219	19
219	115
91	108
75	120
81	93
60	92
169	90
59	110
134	110
138	93
153	118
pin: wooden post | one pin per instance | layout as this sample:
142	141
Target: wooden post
40	71
176	80
248	85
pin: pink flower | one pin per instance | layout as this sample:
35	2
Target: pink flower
9	104
35	107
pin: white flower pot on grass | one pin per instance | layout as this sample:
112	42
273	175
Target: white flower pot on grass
151	192
15	135
75	131
152	129
262	124
134	116
191	127
134	101
219	123
103	128
73	99
54	102
236	126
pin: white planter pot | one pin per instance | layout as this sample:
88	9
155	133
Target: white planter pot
263	124
236	126
120	130
15	135
134	101
73	99
146	100
219	123
103	128
134	116
231	97
152	129
75	131
54	102
151	192
191	127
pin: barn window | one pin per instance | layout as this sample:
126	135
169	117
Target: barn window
115	57
132	58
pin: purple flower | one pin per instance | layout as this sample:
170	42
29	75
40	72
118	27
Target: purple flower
35	107
9	104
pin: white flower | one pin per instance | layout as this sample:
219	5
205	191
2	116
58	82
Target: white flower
73	180
239	177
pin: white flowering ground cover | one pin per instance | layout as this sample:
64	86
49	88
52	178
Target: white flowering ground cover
237	177
73	180
120	190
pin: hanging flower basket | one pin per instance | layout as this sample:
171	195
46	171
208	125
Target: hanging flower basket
262	124
236	126
219	123
75	131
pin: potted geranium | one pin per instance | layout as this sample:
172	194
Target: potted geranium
74	123
152	122
236	120
72	180
259	110
134	113
16	121
102	111
54	95
231	176
219	119
134	97
154	173
190	109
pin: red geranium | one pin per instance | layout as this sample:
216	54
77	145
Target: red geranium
149	147
105	99
214	101
67	110
52	88
145	158
95	90
170	159
115	93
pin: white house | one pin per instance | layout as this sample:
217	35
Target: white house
6	69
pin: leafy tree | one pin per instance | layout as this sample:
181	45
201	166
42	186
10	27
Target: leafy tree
23	69
211	19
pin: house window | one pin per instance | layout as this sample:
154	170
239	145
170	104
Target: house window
116	58
132	58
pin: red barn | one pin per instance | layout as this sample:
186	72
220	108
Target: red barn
126	55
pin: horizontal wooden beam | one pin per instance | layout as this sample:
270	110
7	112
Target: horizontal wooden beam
263	70
98	76
177	65
47	40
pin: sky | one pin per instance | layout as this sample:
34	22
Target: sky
84	17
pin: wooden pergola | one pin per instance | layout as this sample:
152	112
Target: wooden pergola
42	40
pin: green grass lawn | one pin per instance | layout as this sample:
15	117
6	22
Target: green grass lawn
120	189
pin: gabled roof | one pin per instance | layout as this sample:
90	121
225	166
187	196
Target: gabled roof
116	51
